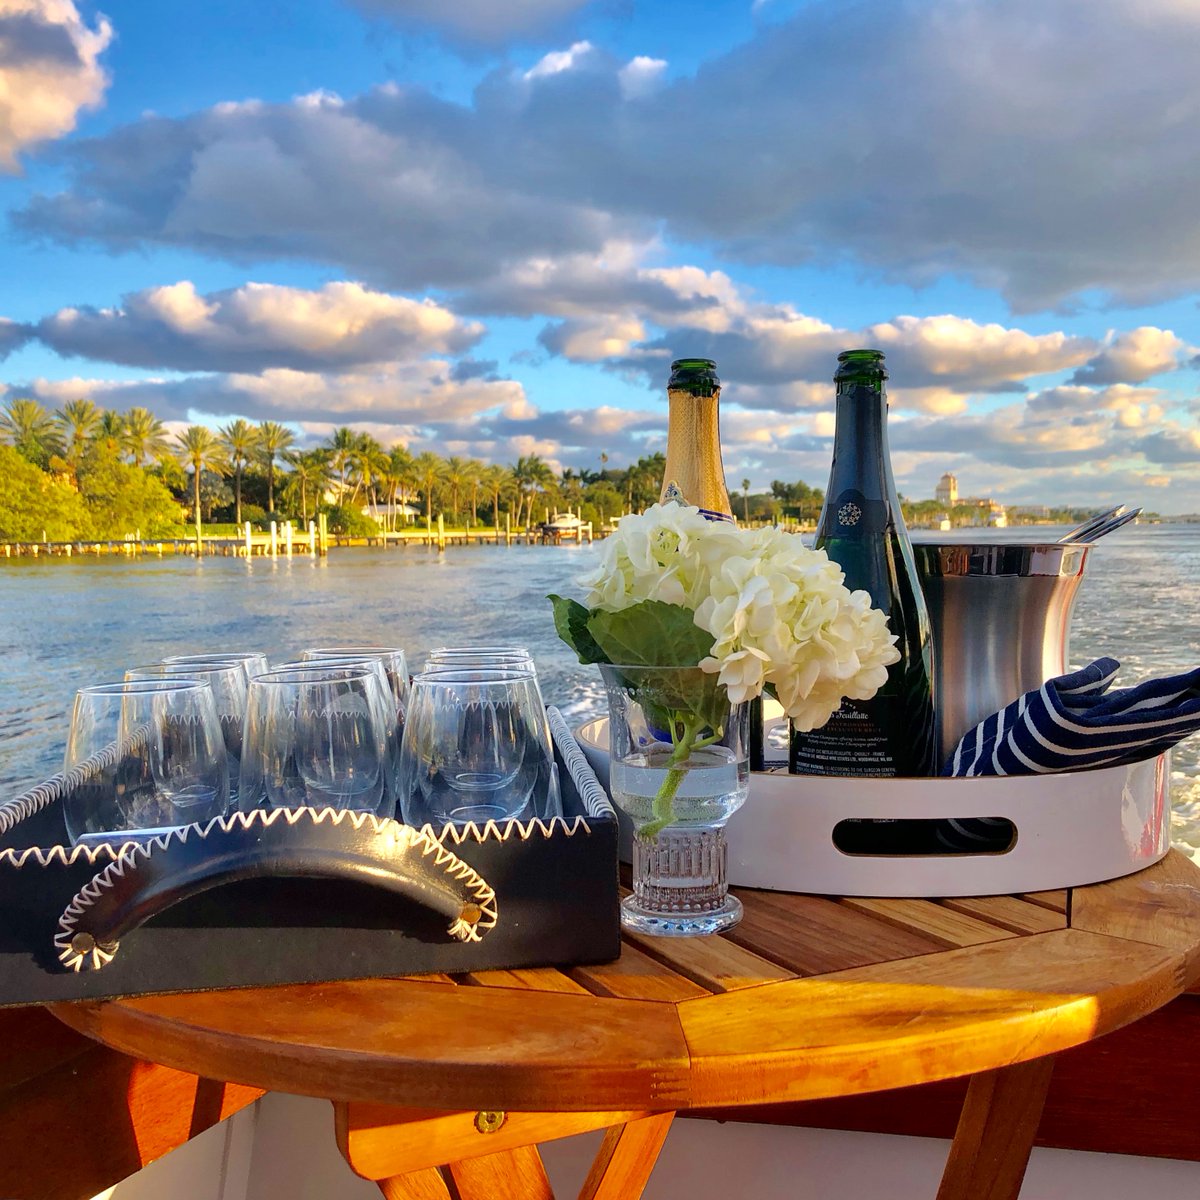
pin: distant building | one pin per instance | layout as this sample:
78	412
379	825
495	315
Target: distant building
946	491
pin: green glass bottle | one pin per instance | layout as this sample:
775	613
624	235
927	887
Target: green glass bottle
861	529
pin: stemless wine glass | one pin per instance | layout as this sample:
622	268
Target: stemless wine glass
253	662
500	662
157	760
395	665
474	747
229	686
473	657
316	736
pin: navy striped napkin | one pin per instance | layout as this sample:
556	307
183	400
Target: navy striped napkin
1074	722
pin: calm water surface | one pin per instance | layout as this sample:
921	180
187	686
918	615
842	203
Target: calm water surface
66	623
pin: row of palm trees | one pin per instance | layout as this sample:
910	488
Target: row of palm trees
350	468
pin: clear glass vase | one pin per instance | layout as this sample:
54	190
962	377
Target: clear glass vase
678	765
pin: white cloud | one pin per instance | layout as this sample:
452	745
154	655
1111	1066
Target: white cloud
49	71
641	76
979	140
1134	357
257	326
557	61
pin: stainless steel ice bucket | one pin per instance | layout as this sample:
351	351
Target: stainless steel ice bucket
1001	615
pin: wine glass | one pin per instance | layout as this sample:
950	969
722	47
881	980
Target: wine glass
229	686
547	801
253	662
474	657
474	747
395	666
317	736
152	758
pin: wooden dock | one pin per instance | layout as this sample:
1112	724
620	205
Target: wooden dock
287	541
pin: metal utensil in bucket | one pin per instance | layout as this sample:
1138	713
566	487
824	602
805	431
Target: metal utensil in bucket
1001	616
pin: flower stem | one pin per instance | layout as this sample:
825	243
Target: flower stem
664	799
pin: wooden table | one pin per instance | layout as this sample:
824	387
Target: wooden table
443	1086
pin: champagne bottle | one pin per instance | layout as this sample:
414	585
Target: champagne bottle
694	474
861	529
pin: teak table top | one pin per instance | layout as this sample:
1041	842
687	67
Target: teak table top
809	997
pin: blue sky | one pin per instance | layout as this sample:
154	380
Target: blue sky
485	229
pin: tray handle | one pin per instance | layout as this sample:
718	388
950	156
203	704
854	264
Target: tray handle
147	878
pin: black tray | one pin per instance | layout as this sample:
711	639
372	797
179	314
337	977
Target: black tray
297	896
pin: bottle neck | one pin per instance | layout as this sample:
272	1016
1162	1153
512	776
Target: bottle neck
861	459
694	473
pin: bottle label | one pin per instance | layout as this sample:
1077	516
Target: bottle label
854	516
851	742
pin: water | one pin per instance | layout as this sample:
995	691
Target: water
64	624
712	790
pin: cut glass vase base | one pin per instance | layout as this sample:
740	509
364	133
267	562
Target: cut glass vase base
637	919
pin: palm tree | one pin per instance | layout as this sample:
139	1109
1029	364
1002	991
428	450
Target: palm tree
532	476
496	480
342	446
309	473
110	430
144	435
77	420
200	449
31	430
457	476
397	476
368	460
428	468
273	440
746	501
474	482
240	440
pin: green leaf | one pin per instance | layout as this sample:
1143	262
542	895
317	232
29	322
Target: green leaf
650	634
570	619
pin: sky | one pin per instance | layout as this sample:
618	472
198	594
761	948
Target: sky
486	228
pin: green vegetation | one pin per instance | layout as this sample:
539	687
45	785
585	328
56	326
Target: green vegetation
83	472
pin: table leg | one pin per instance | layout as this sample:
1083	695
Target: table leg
379	1143
995	1132
626	1158
509	1175
420	1185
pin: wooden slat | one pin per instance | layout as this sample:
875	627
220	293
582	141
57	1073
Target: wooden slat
379	1141
626	1158
418	1185
991	1146
403	1042
540	979
934	921
910	1021
813	936
714	963
1055	901
1008	912
636	976
1130	1092
1159	906
512	1175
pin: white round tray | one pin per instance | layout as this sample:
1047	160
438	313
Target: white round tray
1072	828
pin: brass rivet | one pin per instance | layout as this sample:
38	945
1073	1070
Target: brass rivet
83	943
490	1120
472	914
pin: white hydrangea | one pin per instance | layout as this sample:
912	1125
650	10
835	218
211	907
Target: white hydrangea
778	611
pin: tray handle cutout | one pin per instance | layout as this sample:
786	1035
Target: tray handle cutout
149	877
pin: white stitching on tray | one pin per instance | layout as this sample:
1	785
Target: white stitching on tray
482	895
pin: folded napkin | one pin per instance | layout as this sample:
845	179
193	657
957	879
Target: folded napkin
1074	722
